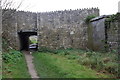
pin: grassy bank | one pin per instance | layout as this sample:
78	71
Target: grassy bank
49	65
100	61
14	65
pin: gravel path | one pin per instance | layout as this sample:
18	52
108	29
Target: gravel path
30	65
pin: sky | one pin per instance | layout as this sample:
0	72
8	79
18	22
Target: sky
106	6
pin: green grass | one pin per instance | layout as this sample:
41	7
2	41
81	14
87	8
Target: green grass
50	65
14	65
100	61
33	41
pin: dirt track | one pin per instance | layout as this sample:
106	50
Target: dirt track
30	65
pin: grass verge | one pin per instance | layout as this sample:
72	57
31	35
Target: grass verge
14	65
50	65
103	62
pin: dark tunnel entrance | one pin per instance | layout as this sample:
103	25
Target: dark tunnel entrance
24	39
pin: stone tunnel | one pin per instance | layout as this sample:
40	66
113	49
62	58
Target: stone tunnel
24	39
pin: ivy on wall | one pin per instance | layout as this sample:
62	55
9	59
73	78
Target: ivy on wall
114	17
88	18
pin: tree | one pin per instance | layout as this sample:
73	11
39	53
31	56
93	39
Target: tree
6	5
10	4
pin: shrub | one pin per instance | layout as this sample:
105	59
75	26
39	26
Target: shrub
11	56
93	63
100	61
62	52
88	18
44	49
114	17
86	61
111	67
5	44
72	56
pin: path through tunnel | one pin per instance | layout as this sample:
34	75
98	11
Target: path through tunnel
24	39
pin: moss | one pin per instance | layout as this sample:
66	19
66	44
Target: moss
114	17
88	18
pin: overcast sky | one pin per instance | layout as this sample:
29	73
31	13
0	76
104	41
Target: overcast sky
105	6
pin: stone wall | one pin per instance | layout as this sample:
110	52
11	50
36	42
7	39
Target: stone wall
113	32
112	35
64	29
14	21
103	33
9	27
58	29
26	20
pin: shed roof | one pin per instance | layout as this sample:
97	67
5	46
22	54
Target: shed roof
100	17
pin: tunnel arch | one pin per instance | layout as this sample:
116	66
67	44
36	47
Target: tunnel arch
24	38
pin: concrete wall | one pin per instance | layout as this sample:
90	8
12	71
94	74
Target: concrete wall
97	37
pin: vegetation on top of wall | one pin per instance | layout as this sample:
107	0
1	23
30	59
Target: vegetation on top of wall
114	17
111	29
88	18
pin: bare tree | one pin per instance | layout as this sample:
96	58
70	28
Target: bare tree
10	4
6	8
